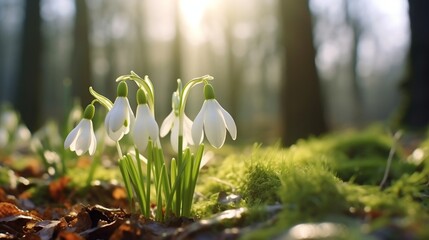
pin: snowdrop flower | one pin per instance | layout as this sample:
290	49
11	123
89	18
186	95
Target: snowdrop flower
145	127
171	123
82	138
9	120
215	121
22	136
120	119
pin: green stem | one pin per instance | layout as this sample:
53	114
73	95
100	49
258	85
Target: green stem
139	190
184	95
127	183
118	148
63	164
148	183
146	193
179	175
392	151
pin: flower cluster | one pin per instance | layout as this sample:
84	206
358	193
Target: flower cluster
174	180
212	119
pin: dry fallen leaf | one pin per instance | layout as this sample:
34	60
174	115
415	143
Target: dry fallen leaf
14	221
57	189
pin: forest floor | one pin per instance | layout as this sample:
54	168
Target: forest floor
320	188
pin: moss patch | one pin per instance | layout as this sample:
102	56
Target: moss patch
333	179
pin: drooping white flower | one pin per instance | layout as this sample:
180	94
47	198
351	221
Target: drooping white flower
171	123
120	119
213	120
145	127
9	120
82	138
22	136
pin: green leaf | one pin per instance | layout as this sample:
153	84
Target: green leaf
122	78
102	99
127	181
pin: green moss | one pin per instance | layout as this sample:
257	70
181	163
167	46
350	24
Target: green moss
332	179
225	175
310	193
335	179
78	176
361	157
261	185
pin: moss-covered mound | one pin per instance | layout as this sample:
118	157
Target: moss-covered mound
328	188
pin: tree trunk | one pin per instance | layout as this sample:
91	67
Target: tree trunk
417	87
176	69
356	91
142	56
81	62
235	65
29	87
302	107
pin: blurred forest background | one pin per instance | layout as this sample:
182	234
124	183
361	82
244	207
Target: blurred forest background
283	68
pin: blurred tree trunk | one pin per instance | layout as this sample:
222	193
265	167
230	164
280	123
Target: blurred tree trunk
417	86
81	62
176	70
3	82
28	96
235	66
107	11
112	71
354	60
142	54
302	107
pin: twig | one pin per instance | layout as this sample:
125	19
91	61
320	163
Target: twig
392	151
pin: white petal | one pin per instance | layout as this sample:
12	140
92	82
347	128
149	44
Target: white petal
93	143
151	124
214	125
130	119
187	134
174	137
114	135
117	135
145	127
229	121
72	136
107	122
197	126
118	114
167	124
83	140
139	135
